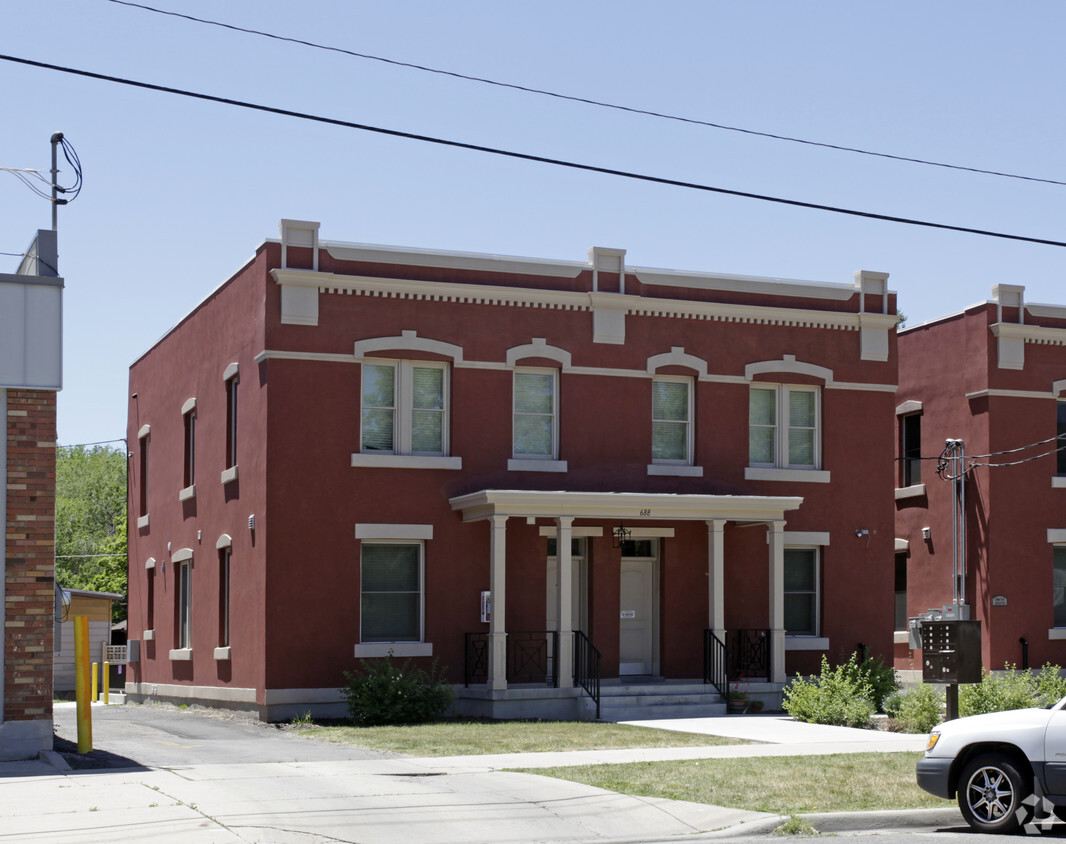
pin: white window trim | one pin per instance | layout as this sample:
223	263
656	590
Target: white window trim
536	464
180	654
222	654
405	461
690	426
802	641
762	471
406	648
904	492
403	410
519	461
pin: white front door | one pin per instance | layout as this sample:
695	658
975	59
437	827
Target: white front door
638	617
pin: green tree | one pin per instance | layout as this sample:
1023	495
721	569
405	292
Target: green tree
91	520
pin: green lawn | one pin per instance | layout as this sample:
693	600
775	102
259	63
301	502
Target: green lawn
467	738
787	785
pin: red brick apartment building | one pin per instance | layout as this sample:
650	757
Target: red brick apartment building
994	377
31	320
512	466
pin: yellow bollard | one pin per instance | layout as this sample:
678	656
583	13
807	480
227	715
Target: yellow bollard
81	683
107	680
94	696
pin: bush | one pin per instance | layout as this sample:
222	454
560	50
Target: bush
918	710
880	677
385	693
840	696
1011	689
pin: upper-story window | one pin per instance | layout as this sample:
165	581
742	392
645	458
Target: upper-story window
536	413
910	427
784	427
671	420
188	418
1060	432
144	437
404	408
231	421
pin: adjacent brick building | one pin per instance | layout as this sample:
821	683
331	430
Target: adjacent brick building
30	375
348	451
993	378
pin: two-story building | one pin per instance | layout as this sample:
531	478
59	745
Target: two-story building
31	373
512	466
981	523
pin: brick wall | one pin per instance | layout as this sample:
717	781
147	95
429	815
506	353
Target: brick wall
30	525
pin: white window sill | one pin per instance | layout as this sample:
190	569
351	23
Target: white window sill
222	653
1059	481
809	476
229	475
534	465
181	654
148	635
398	649
674	470
187	493
916	491
806	643
142	522
1056	633
406	461
901	637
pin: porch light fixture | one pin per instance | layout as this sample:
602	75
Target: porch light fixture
620	535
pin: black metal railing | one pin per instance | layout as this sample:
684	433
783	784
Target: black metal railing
715	662
749	653
587	667
532	657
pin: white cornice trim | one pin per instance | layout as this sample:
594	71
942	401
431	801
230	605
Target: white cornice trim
1030	333
576	301
511	264
749	284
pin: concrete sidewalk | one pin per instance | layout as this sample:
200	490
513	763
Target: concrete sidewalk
435	799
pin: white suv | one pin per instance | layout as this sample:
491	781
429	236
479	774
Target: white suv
1007	768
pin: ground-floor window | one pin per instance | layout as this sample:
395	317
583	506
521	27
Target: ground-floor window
901	592
1058	591
801	591
184	605
391	585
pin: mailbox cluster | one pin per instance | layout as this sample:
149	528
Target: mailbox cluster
951	651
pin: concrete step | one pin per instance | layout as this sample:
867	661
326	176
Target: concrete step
650	701
653	713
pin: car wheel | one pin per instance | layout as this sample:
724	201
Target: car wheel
992	794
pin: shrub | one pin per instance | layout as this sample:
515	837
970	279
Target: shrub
385	693
880	677
917	710
1050	685
839	696
1009	689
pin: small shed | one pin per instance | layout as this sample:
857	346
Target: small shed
95	605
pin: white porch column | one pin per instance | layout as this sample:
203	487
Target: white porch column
716	577
498	592
564	602
775	539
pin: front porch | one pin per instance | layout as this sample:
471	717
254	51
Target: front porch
559	672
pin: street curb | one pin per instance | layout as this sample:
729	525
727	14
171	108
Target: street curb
830	823
54	759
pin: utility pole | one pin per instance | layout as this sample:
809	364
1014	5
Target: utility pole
57	139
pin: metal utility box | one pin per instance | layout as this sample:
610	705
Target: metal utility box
951	651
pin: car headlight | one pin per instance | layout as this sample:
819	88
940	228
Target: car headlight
934	737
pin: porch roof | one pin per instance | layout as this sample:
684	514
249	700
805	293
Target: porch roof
631	506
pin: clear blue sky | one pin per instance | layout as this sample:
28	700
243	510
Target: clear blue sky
178	193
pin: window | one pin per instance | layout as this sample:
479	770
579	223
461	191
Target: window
1058	591
671	415
1060	431
911	450
143	440
183	605
223	596
901	592
149	623
404	408
231	421
783	425
536	432
391	583
801	592
190	448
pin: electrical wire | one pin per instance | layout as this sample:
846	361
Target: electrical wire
75	162
23	175
590	168
586	100
973	461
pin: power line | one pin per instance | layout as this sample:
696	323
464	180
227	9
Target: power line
584	100
626	174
